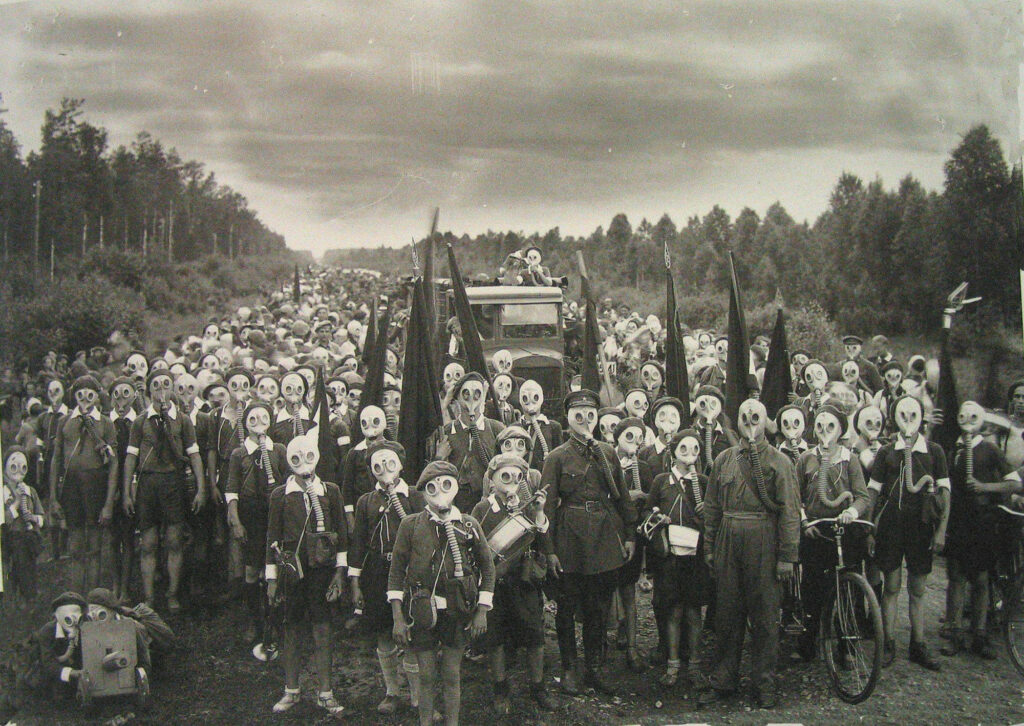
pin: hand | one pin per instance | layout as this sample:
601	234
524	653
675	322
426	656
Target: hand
337	585
630	548
539	500
237	530
357	595
784	571
791	396
871	545
938	541
709	560
199	501
106	514
937	417
812	533
400	631
56	512
976	487
847	515
216	495
478	625
272	592
128	505
554	565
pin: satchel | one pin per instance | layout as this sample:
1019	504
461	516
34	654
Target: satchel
322	549
534	568
421	609
462	594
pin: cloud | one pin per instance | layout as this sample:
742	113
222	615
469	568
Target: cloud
344	122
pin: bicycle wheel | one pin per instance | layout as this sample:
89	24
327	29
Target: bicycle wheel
1013	623
851	638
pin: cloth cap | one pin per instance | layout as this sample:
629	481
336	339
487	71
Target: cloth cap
435	469
843	420
68	598
103	597
629	422
384	444
582	397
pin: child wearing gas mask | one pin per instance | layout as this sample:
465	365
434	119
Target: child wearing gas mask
56	647
122	397
667	416
22	522
356	475
517	618
831	485
257	467
441	586
545	435
681	587
306	558
378	514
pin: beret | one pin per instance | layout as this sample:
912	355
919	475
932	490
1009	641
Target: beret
435	469
120	381
209	389
629	422
511	432
710	391
678	436
466	378
383	444
843	420
103	597
85	382
609	411
253	405
237	371
667	401
893	365
852	340
582	397
502	460
789	407
68	598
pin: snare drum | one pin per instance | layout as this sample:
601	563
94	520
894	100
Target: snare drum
509	540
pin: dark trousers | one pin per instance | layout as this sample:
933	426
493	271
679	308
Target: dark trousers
21	549
590	596
747	592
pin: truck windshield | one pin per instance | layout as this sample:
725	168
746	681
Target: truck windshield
529	320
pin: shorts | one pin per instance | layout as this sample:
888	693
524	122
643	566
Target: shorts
903	536
83	496
517	618
449	632
305	600
976	543
683	581
160	499
253	514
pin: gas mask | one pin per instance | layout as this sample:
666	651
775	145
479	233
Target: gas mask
502	361
440	492
339	392
319	357
303	456
293	388
722	350
239	387
16	468
55	393
515	445
869	423
687	451
533	257
971	418
852	350
218	396
752	417
637	403
257	421
99	614
502	387
354	394
606	426
631	327
471	397
531	397
160	389
186	387
86	399
260	365
267	389
667	421
507	480
582	420
391	361
703	340
452	373
827	429
792	424
576	383
122	396
709	408
211	332
210	363
69	617
372	421
136	366
385	466
309	376
851	373
893	379
629	441
224	357
650	378
908	417
815	376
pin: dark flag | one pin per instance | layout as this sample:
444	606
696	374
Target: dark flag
590	373
946	433
420	415
430	316
371	336
327	467
475	360
677	378
296	292
778	383
373	384
738	364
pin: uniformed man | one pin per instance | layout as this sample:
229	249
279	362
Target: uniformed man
592	527
752	539
854	345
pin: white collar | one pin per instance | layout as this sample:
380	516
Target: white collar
94	414
453	516
538	417
62	410
843	455
703	426
659	445
400	488
250	445
316	485
801	445
196	410
284	415
459	425
920	446
172	411
975	441
130	416
679	473
362	445
495	504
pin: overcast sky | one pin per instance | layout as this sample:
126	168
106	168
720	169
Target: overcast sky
345	122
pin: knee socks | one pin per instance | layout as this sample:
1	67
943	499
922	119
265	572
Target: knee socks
389	669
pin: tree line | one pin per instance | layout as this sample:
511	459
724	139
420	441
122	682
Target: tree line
877	259
75	194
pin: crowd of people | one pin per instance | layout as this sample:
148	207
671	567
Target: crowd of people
201	476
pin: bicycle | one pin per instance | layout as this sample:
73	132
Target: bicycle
1013	601
850	633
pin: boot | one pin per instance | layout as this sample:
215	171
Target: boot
888	652
956	642
592	677
634	661
502	706
919	654
541	697
765	696
982	647
569	683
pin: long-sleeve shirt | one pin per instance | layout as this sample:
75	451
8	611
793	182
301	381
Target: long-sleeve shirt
732	491
247	477
674	497
14	519
375	525
844	475
290	514
422	556
454	443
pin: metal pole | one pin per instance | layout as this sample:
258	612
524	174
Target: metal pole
35	238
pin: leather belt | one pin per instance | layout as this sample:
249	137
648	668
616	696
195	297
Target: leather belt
590	506
746	515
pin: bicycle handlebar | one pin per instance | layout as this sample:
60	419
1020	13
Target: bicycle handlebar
835	520
1014	512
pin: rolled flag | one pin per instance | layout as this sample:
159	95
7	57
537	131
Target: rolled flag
737	366
327	467
296	290
373	383
371	336
677	378
590	373
420	414
777	379
475	360
947	433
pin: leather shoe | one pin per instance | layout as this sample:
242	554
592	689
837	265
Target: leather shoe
919	654
594	679
541	697
765	697
569	683
888	652
713	696
981	646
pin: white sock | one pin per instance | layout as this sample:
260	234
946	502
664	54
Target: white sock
412	674
389	669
